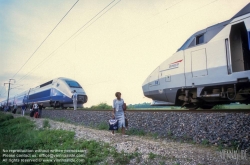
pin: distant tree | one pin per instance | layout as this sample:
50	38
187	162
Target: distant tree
101	106
139	105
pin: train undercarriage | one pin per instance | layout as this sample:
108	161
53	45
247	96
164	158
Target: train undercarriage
208	97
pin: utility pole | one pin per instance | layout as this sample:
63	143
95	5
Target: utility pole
8	90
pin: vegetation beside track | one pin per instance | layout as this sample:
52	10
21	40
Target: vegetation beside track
20	133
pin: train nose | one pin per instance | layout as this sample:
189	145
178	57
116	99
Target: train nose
86	99
82	98
145	87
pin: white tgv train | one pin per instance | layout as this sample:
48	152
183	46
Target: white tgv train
54	93
211	67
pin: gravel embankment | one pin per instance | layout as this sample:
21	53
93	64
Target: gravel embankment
166	151
218	128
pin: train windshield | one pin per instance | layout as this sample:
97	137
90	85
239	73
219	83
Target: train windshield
185	45
73	84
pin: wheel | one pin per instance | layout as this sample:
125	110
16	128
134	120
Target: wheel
55	104
206	106
62	106
191	106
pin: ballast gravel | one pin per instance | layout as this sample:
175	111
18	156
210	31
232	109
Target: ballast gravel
153	151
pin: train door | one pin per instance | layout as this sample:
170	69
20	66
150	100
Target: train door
239	46
196	62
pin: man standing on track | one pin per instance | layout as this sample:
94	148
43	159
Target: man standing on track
74	98
23	108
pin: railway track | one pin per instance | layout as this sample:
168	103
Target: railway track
182	111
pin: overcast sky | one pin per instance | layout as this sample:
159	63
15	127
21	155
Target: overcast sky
115	53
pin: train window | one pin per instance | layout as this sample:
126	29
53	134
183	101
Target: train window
45	84
184	46
73	84
192	43
199	39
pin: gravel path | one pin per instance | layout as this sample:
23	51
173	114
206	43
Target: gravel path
164	151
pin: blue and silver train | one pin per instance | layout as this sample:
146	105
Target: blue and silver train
56	93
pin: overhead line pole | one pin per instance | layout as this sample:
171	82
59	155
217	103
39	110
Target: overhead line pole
8	91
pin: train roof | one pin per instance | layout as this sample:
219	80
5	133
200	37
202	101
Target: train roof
64	78
243	11
211	31
51	81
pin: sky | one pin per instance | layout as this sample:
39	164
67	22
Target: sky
113	52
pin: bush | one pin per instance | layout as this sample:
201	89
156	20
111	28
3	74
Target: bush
101	106
4	117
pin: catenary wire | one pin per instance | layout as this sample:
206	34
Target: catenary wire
45	39
74	34
140	34
174	5
169	21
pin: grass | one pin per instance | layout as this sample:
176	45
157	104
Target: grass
134	131
103	126
219	107
152	155
205	142
46	123
170	133
62	120
177	163
20	133
4	117
100	126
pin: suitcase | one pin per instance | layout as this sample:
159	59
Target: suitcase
14	111
36	115
113	124
32	113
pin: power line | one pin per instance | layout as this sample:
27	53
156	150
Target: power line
45	39
174	4
98	18
149	18
73	35
171	20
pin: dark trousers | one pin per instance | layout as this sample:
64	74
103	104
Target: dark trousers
35	110
40	113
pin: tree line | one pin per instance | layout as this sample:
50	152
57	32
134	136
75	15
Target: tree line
130	106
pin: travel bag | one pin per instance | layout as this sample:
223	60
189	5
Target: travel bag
113	124
14	111
32	113
36	115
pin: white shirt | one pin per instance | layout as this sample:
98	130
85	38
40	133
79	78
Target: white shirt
117	104
35	106
74	96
